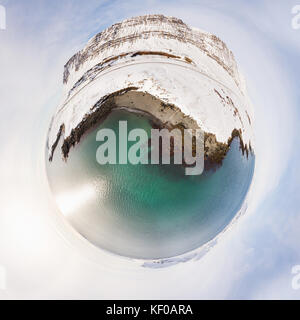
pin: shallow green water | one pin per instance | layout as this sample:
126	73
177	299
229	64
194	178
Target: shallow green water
146	211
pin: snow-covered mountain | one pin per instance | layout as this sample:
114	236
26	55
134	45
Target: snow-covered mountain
191	72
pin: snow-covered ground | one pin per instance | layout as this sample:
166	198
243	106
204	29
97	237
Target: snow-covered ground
162	56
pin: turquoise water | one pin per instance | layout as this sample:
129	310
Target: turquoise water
146	211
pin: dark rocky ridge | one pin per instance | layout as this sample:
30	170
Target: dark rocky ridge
214	151
106	63
124	41
113	37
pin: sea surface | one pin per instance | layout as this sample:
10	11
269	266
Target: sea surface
146	211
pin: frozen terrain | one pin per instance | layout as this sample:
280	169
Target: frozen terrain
162	56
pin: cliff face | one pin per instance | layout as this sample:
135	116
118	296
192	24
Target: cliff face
163	57
137	33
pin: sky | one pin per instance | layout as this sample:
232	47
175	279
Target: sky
40	255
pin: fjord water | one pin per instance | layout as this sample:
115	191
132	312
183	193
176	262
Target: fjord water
146	211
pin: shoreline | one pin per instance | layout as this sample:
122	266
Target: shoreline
214	151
